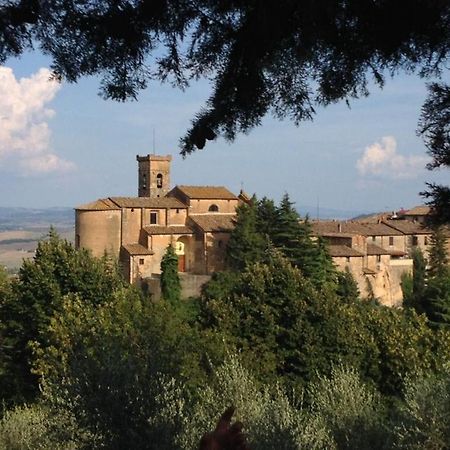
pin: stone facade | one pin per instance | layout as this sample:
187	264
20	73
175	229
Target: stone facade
195	220
377	254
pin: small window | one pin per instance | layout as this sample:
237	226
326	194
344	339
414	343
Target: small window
178	211
415	240
141	261
378	258
144	181
159	180
373	238
425	240
391	240
348	259
213	208
153	217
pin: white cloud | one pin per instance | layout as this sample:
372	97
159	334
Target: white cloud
382	159
24	131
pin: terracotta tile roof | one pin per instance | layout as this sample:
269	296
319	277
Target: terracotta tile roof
207	192
325	227
175	229
373	249
380	229
343	250
137	249
408	227
147	202
339	235
214	222
421	210
102	204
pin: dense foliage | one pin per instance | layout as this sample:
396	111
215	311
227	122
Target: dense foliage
261	225
170	281
434	126
262	56
287	328
430	293
307	366
36	296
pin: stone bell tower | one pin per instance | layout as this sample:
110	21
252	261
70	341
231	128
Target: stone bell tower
153	175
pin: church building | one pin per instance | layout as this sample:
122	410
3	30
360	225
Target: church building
195	220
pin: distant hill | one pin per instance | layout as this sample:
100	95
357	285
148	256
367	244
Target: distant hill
34	218
328	213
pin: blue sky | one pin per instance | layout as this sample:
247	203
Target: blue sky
63	145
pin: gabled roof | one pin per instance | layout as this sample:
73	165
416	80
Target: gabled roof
408	227
347	228
175	229
380	229
343	250
137	249
147	202
334	227
373	249
421	210
206	192
214	222
102	204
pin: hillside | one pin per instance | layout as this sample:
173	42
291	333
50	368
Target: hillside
22	228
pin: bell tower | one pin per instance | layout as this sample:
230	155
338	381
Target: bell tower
153	175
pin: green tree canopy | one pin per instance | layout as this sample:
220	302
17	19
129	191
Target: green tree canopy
438	260
279	57
288	330
262	224
56	270
170	281
246	244
434	125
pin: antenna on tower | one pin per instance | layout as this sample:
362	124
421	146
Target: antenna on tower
154	140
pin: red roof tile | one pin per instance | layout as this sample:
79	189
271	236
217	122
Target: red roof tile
137	249
175	229
147	202
207	192
214	222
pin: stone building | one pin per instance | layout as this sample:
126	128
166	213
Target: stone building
196	220
377	254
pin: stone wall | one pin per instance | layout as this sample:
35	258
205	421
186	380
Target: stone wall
98	231
190	285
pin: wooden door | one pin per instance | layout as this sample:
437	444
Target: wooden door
181	263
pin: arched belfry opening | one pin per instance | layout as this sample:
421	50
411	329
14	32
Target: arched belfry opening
153	175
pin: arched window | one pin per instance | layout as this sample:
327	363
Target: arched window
159	180
213	208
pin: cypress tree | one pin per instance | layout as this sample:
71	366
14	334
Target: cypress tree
293	237
346	289
416	296
246	245
438	259
170	281
436	296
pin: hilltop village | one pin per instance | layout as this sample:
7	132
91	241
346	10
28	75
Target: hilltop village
198	220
